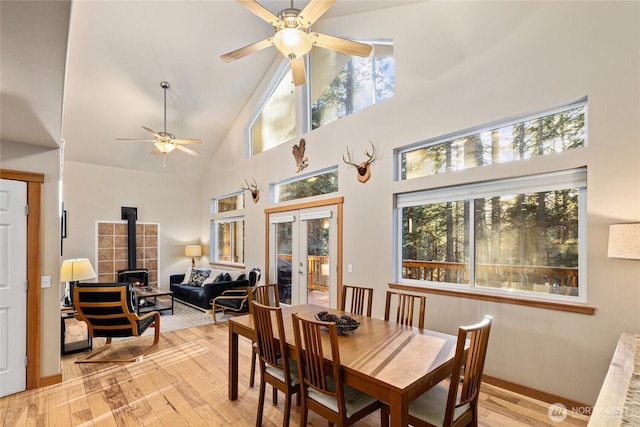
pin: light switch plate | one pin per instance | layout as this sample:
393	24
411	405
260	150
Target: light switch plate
45	282
350	268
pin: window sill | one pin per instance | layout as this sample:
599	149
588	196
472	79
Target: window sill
550	305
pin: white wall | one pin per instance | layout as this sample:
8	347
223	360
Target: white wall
32	158
96	193
459	65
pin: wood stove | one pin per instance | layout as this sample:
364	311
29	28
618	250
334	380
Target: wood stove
136	276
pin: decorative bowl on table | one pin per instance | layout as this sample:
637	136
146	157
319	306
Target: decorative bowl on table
344	324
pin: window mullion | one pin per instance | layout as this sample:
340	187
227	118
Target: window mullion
472	243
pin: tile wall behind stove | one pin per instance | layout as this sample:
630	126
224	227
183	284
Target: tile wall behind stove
113	250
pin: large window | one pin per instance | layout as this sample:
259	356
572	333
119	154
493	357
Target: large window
521	236
521	139
320	183
227	230
229	240
337	85
343	84
276	122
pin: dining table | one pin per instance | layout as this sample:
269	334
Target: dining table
392	362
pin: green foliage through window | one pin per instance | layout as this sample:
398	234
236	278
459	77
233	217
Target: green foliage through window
552	133
343	84
323	183
524	241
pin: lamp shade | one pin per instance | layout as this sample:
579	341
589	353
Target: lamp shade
192	250
74	270
624	241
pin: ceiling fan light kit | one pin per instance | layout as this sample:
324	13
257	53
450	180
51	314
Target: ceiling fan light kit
293	43
292	37
165	142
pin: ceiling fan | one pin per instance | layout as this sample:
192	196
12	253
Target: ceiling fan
164	141
292	36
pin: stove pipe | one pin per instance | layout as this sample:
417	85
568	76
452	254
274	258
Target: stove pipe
131	215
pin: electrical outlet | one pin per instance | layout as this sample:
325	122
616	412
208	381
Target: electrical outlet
45	282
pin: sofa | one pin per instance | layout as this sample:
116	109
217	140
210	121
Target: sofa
199	286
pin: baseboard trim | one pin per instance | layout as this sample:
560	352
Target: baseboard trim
54	379
533	393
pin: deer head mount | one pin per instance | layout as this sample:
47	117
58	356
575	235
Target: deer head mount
364	168
255	192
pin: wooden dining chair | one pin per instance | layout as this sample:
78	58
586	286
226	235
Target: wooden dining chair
405	308
265	295
322	388
359	299
276	368
442	405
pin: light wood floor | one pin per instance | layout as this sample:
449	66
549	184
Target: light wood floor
184	382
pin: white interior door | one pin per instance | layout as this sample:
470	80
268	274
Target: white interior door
13	289
303	254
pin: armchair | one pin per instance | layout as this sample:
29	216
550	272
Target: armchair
236	300
110	310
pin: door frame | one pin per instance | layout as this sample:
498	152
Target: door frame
34	192
338	202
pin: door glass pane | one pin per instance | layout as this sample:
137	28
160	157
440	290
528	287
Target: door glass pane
318	266
284	233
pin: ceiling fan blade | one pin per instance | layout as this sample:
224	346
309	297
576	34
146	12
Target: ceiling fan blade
297	70
134	139
187	141
187	150
341	45
314	10
256	8
244	51
152	132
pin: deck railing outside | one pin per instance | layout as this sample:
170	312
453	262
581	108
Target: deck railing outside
521	277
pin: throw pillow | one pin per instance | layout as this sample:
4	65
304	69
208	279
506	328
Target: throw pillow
227	277
187	276
198	277
219	278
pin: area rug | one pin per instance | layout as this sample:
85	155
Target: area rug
183	317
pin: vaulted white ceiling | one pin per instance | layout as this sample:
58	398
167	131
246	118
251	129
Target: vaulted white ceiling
112	63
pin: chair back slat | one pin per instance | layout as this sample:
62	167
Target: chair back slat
359	298
108	309
272	347
314	371
405	308
473	366
266	295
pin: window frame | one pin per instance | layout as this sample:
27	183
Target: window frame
224	217
302	98
572	178
273	188
564	106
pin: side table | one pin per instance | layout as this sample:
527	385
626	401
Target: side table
77	332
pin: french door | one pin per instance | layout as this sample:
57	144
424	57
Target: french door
303	255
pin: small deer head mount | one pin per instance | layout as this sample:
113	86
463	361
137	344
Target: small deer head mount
364	168
255	192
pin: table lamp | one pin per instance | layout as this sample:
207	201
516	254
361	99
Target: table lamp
72	271
624	241
193	251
